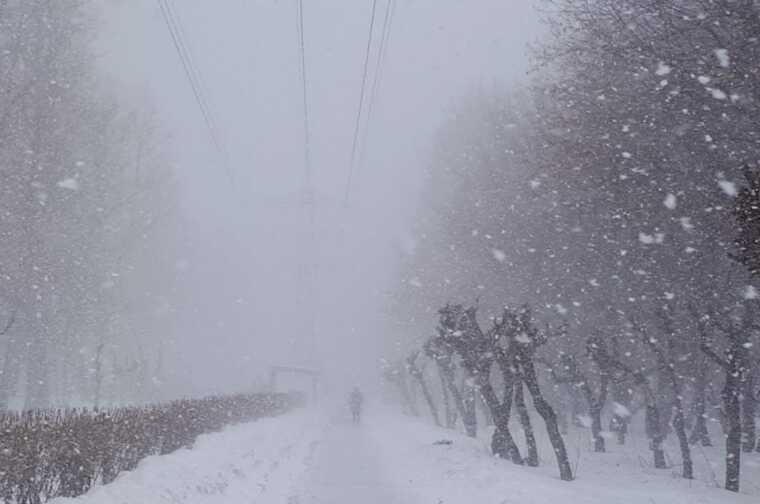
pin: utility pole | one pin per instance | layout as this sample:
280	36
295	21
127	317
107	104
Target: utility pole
307	270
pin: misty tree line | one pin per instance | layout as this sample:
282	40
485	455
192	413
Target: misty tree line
86	193
612	206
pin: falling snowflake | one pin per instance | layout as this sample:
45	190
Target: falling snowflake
620	410
750	292
523	338
716	93
662	69
69	183
728	187
723	59
648	239
499	255
670	201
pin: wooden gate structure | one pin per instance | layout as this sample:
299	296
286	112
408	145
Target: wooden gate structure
276	371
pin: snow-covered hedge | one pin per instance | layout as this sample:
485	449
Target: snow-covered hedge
62	453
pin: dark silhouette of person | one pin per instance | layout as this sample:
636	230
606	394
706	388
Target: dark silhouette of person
355	401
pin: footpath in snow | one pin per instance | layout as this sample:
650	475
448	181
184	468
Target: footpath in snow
309	458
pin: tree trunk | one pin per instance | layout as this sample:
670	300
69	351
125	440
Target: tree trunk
679	419
456	395
427	395
562	422
619	425
595	411
502	443
451	415
699	433
655	434
98	375
748	413
469	418
658	454
10	372
485	410
530	438
679	425
550	419
619	422
37	392
595	406
732	406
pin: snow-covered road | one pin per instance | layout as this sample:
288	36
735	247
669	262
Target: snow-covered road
346	470
308	457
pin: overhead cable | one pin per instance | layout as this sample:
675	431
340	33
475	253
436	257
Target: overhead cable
360	109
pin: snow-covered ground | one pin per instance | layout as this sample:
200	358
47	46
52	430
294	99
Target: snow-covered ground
255	462
309	457
464	473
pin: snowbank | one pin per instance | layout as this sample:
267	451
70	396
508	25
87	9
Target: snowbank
254	462
463	473
304	458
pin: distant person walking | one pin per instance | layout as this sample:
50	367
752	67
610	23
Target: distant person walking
355	401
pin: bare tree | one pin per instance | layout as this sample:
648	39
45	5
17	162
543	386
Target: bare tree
419	375
736	364
571	373
438	349
520	339
395	374
462	332
667	358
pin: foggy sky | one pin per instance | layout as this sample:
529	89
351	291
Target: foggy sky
237	311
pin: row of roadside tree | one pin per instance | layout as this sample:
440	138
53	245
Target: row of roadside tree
612	206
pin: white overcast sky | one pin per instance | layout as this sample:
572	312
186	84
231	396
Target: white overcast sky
240	312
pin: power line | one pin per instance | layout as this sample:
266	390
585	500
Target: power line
188	49
308	265
186	63
192	75
390	9
357	126
200	86
304	87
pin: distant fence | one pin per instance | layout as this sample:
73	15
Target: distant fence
63	453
